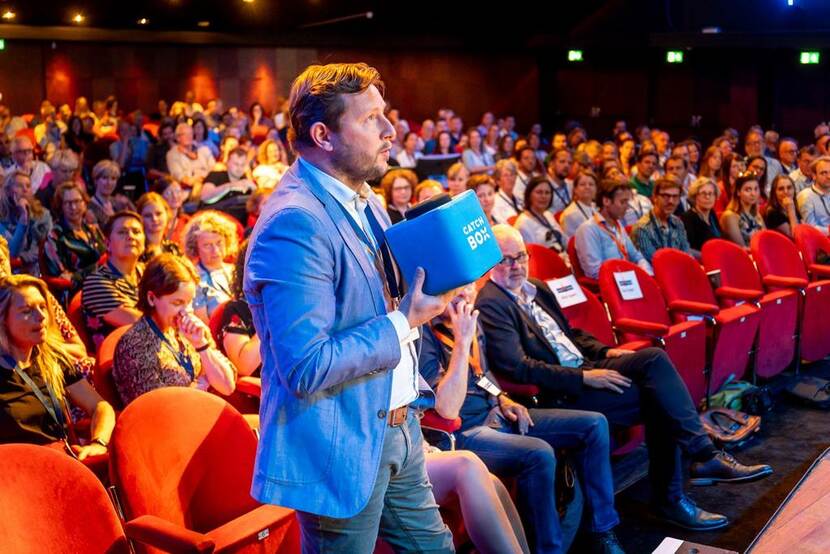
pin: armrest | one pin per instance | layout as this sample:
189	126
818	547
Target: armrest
589	283
637	326
820	269
692	307
156	532
734	293
785	282
432	420
249	385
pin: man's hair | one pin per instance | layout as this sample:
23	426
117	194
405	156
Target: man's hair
238	151
665	183
316	96
608	188
809	150
646	153
119	215
680	158
819	160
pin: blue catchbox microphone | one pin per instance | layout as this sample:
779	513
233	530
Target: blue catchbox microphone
450	238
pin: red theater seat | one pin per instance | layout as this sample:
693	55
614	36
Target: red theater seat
740	282
781	268
75	313
732	330
102	376
545	264
186	457
587	282
810	241
647	319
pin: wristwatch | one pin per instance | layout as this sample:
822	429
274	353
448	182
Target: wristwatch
100	441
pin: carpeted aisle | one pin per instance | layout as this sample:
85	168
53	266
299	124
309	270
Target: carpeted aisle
791	438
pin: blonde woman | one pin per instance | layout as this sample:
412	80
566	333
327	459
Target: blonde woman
40	373
24	222
155	213
105	202
209	238
271	164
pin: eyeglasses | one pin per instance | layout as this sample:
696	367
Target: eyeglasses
518	259
667	196
706	193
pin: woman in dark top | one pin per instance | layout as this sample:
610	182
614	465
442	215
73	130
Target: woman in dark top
37	373
73	246
397	186
700	222
781	213
237	336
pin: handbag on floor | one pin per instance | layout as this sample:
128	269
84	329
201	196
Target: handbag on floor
729	428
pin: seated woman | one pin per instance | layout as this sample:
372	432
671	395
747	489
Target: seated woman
271	164
536	223
457	176
155	213
210	238
39	373
398	186
781	212
700	221
742	219
73	246
582	207
237	336
105	202
169	346
475	157
24	222
485	189
172	192
426	189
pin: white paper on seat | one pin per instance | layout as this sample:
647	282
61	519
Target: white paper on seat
628	285
567	291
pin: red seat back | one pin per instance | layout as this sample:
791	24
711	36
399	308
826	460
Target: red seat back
185	456
54	504
592	317
681	278
735	265
512	219
775	254
102	377
809	241
216	321
75	313
651	307
545	264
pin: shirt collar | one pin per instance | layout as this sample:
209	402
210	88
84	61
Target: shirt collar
341	192
528	292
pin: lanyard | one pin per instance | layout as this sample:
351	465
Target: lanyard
821	197
551	231
639	212
210	282
475	355
181	357
511	200
51	404
566	199
582	211
620	243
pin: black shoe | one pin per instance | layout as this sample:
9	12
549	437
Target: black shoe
685	513
605	543
724	468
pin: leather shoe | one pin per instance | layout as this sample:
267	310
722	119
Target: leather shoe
724	468
685	513
605	543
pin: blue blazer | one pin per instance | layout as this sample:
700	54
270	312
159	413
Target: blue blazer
318	308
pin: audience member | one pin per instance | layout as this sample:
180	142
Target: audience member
527	168
802	176
559	165
583	205
781	213
660	228
155	214
105	202
536	222
507	204
712	162
271	164
814	202
186	163
742	217
228	190
426	189
209	239
457	176
485	189
475	157
237	337
641	179
173	194
24	222
398	186
700	221
24	162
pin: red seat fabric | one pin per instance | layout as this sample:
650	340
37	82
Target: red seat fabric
809	242
54	504
647	318
740	282
75	313
545	264
587	282
689	295
215	322
187	457
781	267
102	376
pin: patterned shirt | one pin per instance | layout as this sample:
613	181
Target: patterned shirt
66	251
649	235
105	290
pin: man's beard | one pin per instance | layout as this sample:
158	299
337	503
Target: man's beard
358	166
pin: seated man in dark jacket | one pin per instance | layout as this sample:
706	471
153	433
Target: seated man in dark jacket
530	341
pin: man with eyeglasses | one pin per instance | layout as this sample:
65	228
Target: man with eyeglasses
814	202
660	228
530	341
23	154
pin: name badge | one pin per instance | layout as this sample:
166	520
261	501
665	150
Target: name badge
488	385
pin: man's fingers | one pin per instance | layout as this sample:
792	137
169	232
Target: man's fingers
611	386
418	280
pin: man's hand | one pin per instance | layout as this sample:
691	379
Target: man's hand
419	307
514	411
464	318
617	352
605	379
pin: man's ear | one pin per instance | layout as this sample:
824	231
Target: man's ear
321	136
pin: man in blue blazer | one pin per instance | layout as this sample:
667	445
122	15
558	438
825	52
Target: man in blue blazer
339	367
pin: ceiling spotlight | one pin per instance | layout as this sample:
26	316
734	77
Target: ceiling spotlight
248	1
143	21
8	15
203	24
78	18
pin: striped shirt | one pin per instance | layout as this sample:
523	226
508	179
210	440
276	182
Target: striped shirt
105	290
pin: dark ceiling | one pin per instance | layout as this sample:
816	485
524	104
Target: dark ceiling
460	23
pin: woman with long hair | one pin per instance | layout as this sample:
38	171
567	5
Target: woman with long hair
742	217
155	213
733	165
536	222
24	222
712	162
272	163
781	212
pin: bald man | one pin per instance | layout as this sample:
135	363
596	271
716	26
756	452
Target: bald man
530	341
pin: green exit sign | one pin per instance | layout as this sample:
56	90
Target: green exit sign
574	55
674	56
809	57
2	44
